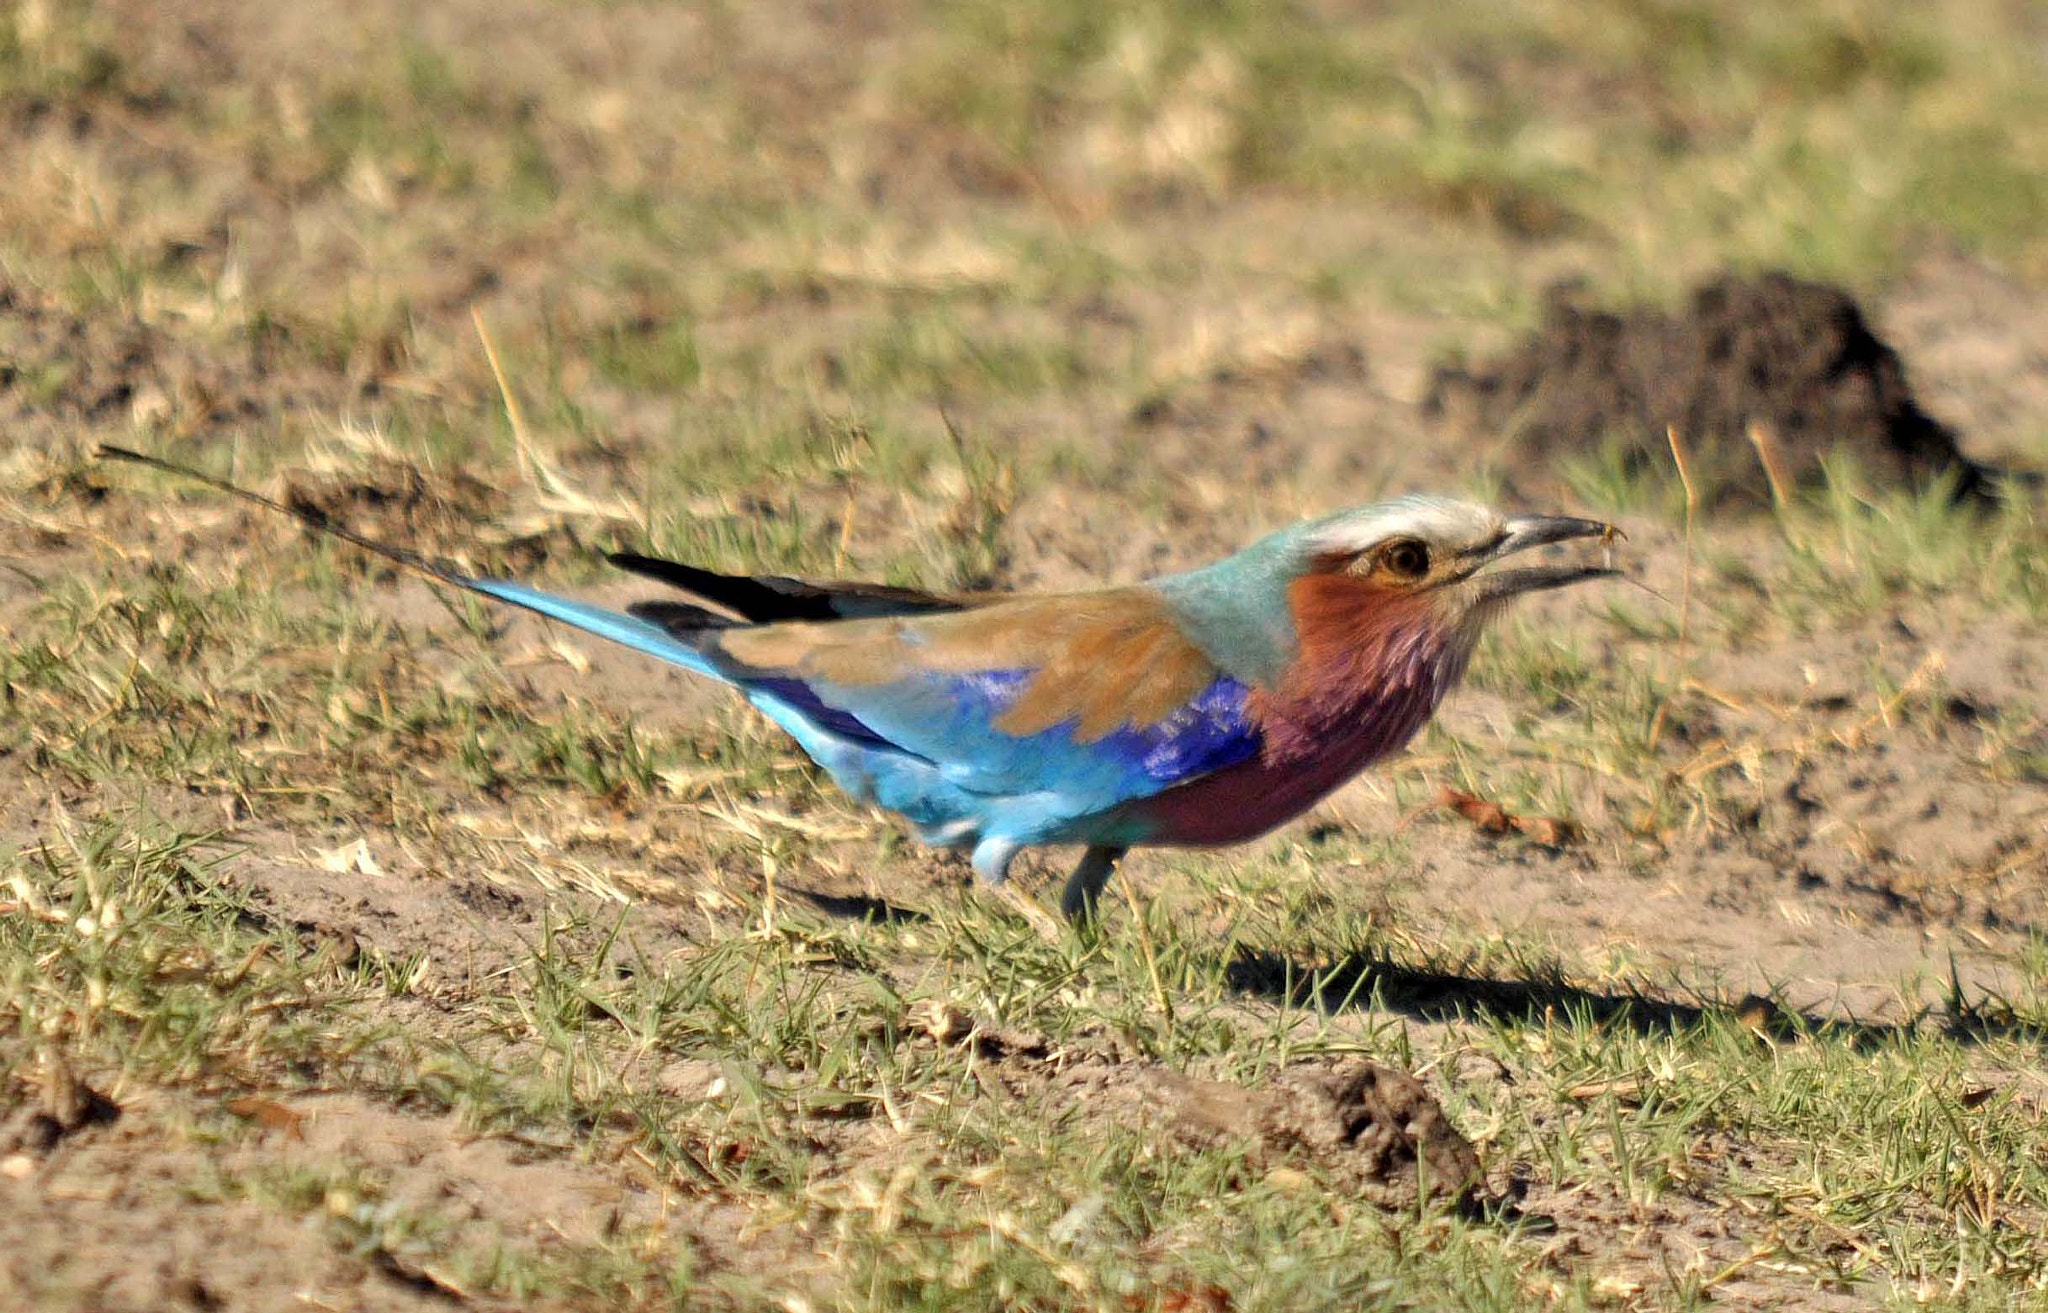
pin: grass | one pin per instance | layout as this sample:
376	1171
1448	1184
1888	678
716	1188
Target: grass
1821	139
1864	1159
967	298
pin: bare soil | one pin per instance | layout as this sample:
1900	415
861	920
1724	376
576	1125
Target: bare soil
1796	357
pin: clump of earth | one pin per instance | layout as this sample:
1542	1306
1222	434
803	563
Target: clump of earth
1372	1131
1792	360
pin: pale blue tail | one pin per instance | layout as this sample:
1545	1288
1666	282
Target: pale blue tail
866	767
619	628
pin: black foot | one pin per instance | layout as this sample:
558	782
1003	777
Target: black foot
1084	886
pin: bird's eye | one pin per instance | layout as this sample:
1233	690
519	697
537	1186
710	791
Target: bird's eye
1406	559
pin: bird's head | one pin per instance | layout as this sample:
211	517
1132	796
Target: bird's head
1415	574
1448	552
1397	594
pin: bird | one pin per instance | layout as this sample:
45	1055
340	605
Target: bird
1198	709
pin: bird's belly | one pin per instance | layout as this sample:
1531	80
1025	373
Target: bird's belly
1246	800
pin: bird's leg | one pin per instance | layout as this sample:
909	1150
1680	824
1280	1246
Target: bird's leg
1084	886
992	858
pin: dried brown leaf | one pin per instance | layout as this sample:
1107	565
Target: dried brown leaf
270	1115
1492	818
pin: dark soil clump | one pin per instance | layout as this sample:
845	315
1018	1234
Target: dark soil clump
1372	1131
1796	358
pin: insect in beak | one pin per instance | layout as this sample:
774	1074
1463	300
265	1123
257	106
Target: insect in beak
1524	532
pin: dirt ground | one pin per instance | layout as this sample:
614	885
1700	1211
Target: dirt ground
254	236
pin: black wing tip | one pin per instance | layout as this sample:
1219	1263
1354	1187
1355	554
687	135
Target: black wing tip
681	619
758	598
672	572
767	598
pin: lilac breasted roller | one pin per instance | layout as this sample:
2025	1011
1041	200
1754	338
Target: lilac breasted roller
1194	710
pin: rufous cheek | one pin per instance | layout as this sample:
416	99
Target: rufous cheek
1360	647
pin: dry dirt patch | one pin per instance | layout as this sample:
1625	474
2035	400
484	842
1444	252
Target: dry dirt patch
62	373
1796	357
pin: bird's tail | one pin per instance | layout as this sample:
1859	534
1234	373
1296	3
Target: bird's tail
671	642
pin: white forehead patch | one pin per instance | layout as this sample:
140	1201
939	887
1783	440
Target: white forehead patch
1436	520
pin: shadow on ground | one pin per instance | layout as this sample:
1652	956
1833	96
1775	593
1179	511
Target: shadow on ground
1438	996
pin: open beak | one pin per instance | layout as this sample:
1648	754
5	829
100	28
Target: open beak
1526	531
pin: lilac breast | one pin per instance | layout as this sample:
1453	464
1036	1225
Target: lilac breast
1335	740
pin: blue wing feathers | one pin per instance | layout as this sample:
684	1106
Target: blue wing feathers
803	699
927	745
1212	731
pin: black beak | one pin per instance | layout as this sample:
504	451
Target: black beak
1526	531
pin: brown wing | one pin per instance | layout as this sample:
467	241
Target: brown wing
1103	660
